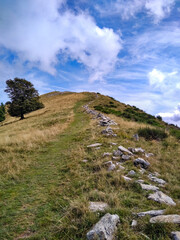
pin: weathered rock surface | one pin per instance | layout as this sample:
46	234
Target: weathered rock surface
175	235
113	144
136	137
125	157
143	163
148	187
97	206
105	228
157	180
152	213
95	145
115	158
161	198
173	218
123	149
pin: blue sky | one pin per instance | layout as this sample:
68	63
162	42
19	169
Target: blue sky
128	49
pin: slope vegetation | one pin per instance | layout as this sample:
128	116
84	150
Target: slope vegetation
46	185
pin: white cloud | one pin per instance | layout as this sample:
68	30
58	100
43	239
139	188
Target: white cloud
156	77
172	117
158	9
39	33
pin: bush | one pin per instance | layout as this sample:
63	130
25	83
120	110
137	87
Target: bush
2	112
152	134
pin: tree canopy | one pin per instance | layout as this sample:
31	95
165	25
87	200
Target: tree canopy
2	112
24	97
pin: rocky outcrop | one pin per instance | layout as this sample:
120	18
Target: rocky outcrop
161	198
142	163
105	228
166	219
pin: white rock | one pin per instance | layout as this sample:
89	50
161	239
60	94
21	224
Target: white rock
166	219
147	155
131	173
105	228
85	160
140	181
155	179
115	158
123	149
127	178
125	157
161	198
143	163
149	187
175	235
134	223
152	213
113	144
94	145
107	154
97	206
136	150
111	167
117	153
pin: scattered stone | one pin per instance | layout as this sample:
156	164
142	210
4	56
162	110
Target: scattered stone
113	144
175	235
136	150
115	158
166	219
143	163
140	181
161	198
97	148
107	154
131	173
147	155
148	187
152	213
125	157
85	160
156	174
117	153
142	170
136	137
98	206
111	165
155	179
105	228
134	223
127	179
123	149
94	145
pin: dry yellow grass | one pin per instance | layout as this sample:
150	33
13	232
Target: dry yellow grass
18	137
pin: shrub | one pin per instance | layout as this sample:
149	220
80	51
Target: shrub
152	134
175	133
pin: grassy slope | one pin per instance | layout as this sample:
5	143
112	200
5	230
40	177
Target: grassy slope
48	197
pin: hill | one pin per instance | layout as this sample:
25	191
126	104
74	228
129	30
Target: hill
49	175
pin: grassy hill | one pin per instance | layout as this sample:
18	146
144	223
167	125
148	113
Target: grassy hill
45	187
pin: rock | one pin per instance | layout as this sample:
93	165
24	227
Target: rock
94	145
147	155
115	158
161	198
107	154
166	219
111	165
131	173
149	187
175	235
127	179
97	206
117	153
152	213
113	144
136	150
142	171
125	157
97	148
155	179
85	160
105	228
140	181
134	223
123	149
141	162
136	137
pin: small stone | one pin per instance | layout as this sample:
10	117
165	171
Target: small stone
136	137
140	181
97	206
142	171
113	144
115	158
105	228
161	198
107	154
136	150
125	157
152	213
131	173
166	219
175	235
155	179
120	166
111	167
127	179
148	187
85	160
123	149
117	153
134	223
142	163
147	155
95	145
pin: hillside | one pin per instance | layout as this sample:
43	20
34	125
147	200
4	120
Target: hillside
49	176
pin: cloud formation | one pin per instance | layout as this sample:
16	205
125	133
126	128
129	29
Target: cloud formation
157	9
172	117
41	32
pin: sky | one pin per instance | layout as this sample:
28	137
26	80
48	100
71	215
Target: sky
127	49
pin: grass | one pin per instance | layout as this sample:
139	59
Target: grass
48	198
152	134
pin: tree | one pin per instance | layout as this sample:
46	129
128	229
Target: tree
24	97
2	112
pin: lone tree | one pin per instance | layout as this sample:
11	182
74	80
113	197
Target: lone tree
24	97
